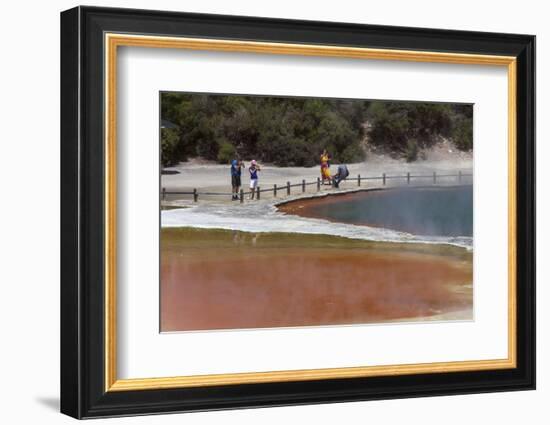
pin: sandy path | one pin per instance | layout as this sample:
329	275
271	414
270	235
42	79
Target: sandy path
216	178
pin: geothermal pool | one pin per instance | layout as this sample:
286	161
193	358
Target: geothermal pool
428	211
375	256
221	279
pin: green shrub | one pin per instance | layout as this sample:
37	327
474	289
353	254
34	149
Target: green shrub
294	131
411	151
353	153
393	126
205	138
169	139
226	152
462	134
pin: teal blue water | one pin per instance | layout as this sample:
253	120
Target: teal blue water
420	211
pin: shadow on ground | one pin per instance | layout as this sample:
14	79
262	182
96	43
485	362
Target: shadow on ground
49	402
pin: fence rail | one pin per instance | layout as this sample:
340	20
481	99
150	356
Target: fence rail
303	184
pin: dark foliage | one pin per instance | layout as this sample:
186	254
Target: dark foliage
293	131
401	129
169	140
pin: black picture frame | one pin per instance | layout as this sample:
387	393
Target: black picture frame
83	392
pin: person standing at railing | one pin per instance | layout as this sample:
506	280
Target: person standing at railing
325	167
341	174
236	166
253	170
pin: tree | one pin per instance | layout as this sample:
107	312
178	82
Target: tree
462	134
226	152
294	131
403	128
169	139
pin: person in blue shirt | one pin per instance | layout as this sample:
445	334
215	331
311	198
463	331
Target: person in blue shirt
236	166
253	170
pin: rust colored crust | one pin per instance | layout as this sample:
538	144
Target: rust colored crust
257	287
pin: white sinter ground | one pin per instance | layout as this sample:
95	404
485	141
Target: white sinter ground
218	212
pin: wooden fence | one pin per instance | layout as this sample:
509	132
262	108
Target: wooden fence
287	188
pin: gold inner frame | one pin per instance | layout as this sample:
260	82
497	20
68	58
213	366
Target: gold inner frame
113	41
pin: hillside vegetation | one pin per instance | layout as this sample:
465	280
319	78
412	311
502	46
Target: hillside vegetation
294	131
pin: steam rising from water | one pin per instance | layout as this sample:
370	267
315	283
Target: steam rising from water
433	211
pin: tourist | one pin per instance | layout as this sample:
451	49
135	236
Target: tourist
253	170
341	174
325	167
236	166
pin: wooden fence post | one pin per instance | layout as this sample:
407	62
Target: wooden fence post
318	184
408	178
241	197
195	195
384	179
257	193
288	188
274	190
434	177
358	179
303	186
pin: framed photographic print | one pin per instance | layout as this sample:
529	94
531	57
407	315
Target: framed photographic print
261	212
